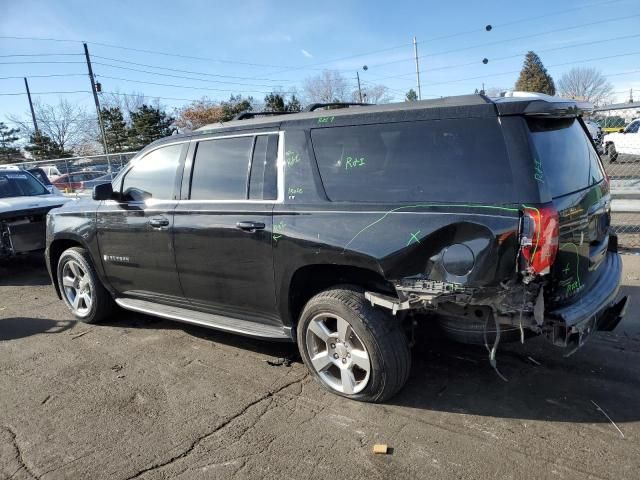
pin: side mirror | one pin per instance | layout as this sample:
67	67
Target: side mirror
103	191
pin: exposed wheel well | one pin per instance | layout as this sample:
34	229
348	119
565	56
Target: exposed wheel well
312	279
55	250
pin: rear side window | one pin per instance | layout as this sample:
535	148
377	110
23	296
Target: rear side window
457	160
264	174
153	176
221	168
565	159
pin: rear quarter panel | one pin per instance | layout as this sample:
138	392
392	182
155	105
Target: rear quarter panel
392	240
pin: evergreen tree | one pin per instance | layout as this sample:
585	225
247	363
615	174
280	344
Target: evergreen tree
534	77
8	137
147	125
294	104
115	129
43	147
274	102
411	96
234	106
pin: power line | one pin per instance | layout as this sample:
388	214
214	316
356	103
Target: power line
182	86
39	62
183	71
452	35
40	55
554	65
288	68
476	62
510	39
45	93
183	76
47	76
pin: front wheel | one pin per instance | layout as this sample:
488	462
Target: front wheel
81	288
351	348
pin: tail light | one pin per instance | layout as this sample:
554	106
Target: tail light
539	240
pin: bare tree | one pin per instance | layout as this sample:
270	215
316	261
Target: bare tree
66	124
127	103
328	86
585	83
372	94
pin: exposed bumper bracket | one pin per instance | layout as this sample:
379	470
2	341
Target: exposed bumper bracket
386	301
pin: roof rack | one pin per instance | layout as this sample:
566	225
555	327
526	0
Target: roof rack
315	106
245	115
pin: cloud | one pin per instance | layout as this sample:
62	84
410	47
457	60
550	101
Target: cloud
306	54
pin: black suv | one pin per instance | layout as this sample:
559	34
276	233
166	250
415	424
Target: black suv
342	228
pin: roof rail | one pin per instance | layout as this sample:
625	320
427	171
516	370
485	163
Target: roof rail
245	115
315	106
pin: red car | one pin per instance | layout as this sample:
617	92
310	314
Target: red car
75	180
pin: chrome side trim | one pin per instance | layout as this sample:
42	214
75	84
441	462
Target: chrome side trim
276	333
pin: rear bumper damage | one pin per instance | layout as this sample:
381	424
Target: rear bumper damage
516	304
598	309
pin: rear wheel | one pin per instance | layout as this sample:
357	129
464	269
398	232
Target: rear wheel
351	348
81	288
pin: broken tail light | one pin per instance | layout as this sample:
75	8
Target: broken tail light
539	241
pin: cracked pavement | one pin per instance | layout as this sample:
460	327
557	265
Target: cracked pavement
140	397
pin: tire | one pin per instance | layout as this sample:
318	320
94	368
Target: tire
472	332
76	269
369	332
612	154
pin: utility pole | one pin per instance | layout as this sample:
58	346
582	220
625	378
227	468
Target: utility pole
415	52
97	102
359	89
33	113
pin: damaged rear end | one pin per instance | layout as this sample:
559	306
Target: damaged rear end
557	274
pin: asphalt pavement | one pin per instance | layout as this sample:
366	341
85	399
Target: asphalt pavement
140	397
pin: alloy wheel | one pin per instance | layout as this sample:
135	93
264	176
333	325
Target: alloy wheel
337	354
77	287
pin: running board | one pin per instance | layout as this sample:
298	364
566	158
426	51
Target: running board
219	322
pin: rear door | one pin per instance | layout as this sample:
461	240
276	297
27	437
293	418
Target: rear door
570	171
135	235
223	226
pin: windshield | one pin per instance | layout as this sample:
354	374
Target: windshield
565	159
20	184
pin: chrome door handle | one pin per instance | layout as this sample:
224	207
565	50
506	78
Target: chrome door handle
159	222
250	226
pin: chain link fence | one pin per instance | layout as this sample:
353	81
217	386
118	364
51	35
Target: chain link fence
616	132
77	176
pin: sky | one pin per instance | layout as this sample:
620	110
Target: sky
254	47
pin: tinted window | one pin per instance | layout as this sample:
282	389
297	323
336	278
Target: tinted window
566	161
442	161
221	168
153	176
263	181
633	127
19	184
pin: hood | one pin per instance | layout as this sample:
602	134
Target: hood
15	204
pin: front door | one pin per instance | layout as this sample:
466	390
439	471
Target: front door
223	230
135	234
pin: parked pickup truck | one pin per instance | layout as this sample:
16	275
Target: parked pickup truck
342	227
